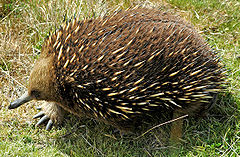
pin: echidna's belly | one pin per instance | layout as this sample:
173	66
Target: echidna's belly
121	68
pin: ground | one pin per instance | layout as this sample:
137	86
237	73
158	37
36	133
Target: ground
25	24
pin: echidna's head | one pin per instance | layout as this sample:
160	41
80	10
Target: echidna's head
41	84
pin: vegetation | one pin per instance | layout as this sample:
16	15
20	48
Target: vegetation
25	24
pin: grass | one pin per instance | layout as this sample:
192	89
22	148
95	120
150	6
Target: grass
25	24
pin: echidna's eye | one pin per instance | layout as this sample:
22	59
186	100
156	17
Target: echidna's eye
35	94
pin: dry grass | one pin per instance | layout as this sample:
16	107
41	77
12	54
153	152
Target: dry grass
25	24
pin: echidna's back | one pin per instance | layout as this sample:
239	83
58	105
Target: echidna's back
132	63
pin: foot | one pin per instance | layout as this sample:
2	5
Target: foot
50	112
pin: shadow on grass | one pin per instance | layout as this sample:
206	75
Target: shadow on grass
201	135
217	131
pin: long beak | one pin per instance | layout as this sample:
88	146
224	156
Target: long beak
23	99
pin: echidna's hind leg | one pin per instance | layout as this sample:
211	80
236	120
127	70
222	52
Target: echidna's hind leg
176	128
51	112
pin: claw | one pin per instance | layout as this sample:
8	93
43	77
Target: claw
40	114
49	125
42	120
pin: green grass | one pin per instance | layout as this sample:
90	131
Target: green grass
25	24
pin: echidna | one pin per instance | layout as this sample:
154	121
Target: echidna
124	67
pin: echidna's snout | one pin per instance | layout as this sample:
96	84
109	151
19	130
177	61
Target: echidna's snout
23	99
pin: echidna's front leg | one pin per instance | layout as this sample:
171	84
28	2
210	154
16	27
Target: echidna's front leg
51	112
